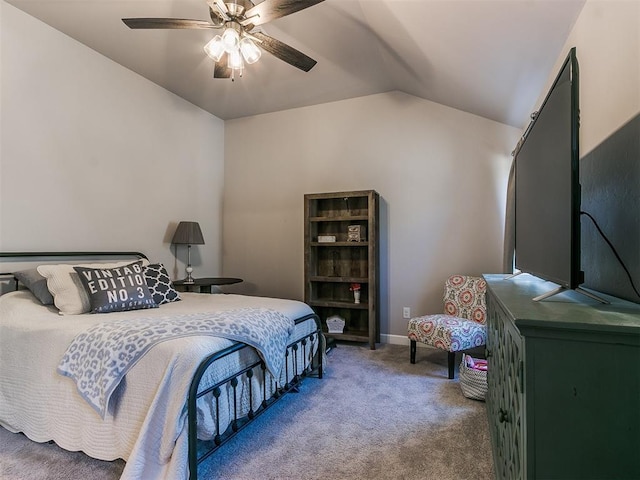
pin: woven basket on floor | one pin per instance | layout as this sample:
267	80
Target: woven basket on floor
473	382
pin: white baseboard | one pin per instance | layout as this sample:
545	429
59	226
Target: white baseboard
399	340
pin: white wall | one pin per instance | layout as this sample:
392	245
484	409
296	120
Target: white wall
607	40
95	157
441	174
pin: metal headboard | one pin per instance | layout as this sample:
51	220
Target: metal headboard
19	255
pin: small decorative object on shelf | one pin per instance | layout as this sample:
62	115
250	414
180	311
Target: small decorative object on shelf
356	233
335	324
355	288
326	238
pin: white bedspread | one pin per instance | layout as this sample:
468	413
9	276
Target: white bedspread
146	422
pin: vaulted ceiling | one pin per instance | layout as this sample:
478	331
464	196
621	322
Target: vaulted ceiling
486	57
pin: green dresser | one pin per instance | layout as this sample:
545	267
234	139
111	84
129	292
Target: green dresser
564	383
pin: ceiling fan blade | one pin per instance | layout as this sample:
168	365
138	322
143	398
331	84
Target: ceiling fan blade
220	5
284	52
221	70
271	9
218	11
149	23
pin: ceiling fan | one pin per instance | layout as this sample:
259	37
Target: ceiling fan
236	45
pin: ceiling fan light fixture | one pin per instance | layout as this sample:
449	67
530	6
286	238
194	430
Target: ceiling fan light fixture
250	51
230	39
235	60
215	48
239	40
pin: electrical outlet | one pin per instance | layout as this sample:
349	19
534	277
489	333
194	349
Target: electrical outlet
406	312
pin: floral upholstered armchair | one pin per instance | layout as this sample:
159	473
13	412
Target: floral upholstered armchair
461	327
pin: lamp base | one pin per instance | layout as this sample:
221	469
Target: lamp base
189	280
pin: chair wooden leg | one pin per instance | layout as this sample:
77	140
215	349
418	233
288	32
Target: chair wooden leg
413	351
451	360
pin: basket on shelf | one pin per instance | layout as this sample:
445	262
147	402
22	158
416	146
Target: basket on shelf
335	324
473	377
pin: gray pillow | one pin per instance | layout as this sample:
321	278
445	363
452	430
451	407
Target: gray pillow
116	289
36	283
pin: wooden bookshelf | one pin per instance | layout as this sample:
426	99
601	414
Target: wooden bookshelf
331	267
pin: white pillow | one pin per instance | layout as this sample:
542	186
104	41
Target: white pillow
69	296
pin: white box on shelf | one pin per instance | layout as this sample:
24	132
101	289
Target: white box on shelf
326	238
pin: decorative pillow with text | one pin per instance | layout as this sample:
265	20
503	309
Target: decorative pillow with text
116	289
69	295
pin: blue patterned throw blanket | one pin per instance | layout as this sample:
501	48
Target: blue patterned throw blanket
100	357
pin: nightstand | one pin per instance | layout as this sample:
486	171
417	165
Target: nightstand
203	285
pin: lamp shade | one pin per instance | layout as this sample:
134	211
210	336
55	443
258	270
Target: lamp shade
188	233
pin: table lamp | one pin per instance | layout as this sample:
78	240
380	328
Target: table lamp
188	233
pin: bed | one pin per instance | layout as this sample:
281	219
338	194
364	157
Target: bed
175	403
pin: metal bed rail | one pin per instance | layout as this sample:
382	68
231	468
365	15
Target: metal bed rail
199	450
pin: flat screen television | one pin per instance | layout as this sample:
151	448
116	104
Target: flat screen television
547	188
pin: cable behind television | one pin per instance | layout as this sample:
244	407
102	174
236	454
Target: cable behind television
613	249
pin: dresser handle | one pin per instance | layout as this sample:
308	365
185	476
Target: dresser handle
503	416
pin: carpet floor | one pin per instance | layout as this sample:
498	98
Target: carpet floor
374	416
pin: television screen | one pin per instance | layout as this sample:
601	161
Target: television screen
547	189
